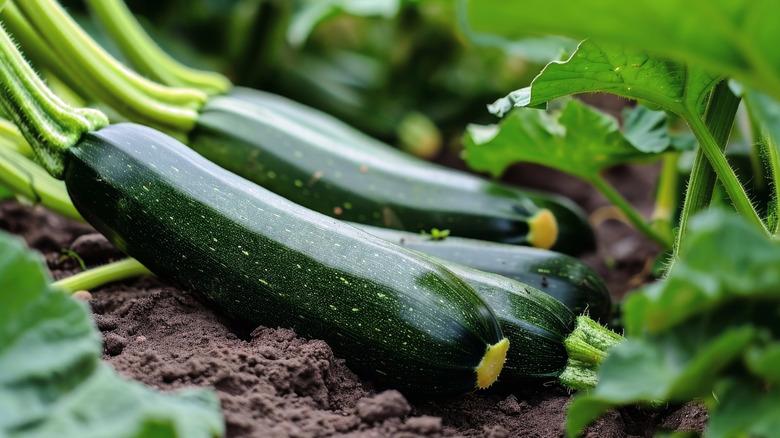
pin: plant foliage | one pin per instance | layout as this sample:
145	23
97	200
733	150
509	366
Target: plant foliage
53	382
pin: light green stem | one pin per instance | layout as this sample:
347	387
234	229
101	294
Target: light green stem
715	131
768	154
146	56
83	61
49	124
666	196
25	178
631	213
712	150
96	277
13	138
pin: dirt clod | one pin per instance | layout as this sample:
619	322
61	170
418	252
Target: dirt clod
379	407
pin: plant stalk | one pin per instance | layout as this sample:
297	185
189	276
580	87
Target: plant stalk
48	124
83	61
631	213
96	277
769	154
666	196
28	180
713	135
146	56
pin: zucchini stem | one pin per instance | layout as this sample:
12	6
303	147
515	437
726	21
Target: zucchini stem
666	196
108	273
587	346
50	125
102	77
28	180
631	213
712	150
146	56
719	118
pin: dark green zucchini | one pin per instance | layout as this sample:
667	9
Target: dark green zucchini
263	260
565	278
340	173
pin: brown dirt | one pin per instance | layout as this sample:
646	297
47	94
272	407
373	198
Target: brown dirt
273	383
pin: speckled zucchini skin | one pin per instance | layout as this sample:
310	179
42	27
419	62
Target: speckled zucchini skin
535	323
324	165
262	259
565	278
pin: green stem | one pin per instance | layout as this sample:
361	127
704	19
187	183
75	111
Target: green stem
587	346
666	196
35	48
13	138
147	57
28	180
713	151
49	124
769	155
631	213
96	277
719	118
84	62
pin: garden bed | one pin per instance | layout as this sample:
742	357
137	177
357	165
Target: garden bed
272	382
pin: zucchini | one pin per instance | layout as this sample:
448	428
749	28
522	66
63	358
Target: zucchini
263	260
371	183
565	278
536	325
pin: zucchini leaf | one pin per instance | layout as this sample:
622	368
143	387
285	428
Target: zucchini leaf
678	366
611	68
53	382
710	323
744	410
728	37
714	267
576	139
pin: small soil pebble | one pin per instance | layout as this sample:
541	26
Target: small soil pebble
387	404
94	247
82	295
114	344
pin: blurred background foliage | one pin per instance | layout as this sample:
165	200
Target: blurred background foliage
408	72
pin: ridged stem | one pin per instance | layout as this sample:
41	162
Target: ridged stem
586	346
712	134
108	273
83	61
49	124
146	56
28	180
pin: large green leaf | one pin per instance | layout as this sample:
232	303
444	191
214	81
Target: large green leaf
677	366
725	259
577	139
52	382
728	37
712	320
745	410
611	68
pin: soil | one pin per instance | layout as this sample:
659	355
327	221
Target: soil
273	383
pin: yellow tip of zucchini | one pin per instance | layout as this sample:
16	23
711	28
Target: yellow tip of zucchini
491	364
543	229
